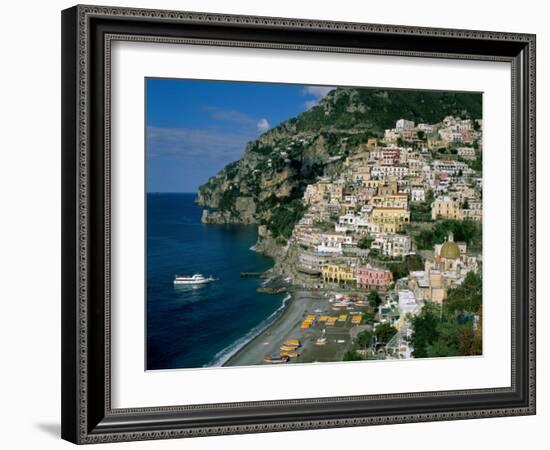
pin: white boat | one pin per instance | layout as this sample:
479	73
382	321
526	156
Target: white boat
322	339
197	278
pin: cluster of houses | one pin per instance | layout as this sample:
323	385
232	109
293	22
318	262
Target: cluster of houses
366	208
451	130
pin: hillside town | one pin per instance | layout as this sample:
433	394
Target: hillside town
379	238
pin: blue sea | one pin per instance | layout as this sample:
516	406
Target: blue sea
200	326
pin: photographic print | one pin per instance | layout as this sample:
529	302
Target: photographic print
293	224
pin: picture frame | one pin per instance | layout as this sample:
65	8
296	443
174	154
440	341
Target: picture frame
87	35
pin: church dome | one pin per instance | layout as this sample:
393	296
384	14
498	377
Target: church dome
450	250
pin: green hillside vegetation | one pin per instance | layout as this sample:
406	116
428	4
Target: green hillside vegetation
378	109
463	230
283	218
450	329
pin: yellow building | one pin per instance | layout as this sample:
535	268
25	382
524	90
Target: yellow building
446	208
436	143
315	193
335	273
392	220
372	184
391	201
388	188
372	143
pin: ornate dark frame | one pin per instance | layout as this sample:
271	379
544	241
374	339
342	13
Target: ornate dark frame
87	33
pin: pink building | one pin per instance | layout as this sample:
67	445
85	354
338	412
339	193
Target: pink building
368	278
386	156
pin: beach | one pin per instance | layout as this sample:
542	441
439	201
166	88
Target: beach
288	326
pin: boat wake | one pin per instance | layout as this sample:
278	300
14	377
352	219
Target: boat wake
224	355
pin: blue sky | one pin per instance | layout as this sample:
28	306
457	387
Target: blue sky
195	128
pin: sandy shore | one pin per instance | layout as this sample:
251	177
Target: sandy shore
287	326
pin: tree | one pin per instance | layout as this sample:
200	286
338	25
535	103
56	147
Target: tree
384	332
364	339
369	316
365	242
463	230
476	164
424	330
352	355
409	263
447	342
284	217
470	341
429	197
374	253
466	297
374	299
421	212
424	240
453	328
324	225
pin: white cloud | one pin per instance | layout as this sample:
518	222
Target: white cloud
262	125
245	122
317	92
236	117
201	143
310	104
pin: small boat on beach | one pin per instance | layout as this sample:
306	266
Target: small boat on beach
287	348
292	343
275	359
197	278
289	353
321	341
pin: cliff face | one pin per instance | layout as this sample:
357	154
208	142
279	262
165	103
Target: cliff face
265	187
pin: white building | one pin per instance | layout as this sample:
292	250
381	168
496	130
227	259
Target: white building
391	135
467	152
331	243
408	303
418	195
426	128
450	167
403	124
347	219
392	245
389	171
306	237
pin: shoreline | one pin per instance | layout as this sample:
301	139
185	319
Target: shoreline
221	359
280	315
287	325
